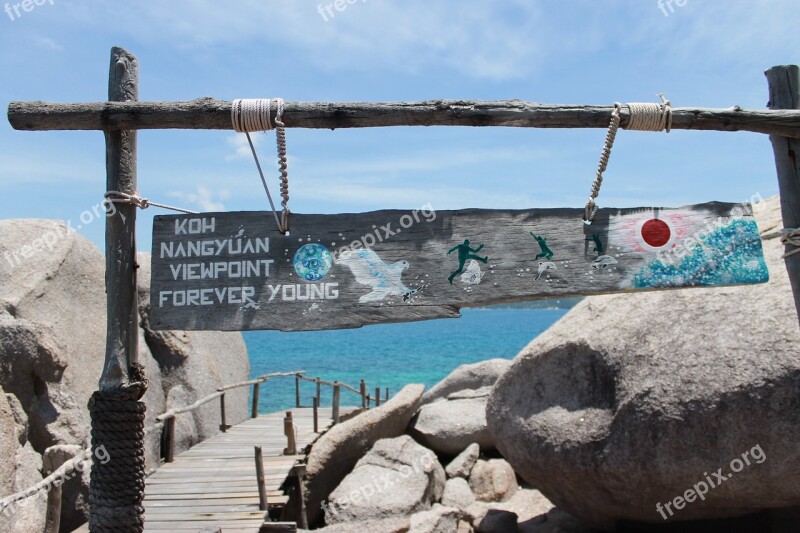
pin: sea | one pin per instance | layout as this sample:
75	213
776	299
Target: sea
391	355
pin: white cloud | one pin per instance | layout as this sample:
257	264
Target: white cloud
241	148
203	198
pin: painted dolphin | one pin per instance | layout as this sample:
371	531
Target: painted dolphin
603	262
544	266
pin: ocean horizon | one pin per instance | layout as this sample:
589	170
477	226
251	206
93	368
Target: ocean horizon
389	355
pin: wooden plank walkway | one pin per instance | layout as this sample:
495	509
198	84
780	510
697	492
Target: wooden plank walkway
212	486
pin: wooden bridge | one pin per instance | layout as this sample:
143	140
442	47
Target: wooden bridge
215	486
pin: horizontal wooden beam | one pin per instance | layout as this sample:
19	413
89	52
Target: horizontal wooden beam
209	113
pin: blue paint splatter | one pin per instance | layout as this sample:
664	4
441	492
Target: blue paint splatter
729	255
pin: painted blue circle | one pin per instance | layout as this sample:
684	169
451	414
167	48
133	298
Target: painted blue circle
312	262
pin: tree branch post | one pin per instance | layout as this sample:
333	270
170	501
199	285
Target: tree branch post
784	93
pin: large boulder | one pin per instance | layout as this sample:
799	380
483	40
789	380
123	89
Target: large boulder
468	377
449	426
631	405
53	341
397	477
336	452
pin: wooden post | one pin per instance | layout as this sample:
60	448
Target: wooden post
53	514
316	414
260	479
223	426
377	396
122	312
369	399
169	439
319	392
336	393
254	408
363	393
784	93
300	472
387	394
288	430
297	390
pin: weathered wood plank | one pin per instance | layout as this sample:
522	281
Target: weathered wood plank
234	271
208	113
784	93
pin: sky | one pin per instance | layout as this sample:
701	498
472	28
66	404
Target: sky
700	54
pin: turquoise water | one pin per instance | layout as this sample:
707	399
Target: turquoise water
389	355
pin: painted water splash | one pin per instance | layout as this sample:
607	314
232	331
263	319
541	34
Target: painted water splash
729	255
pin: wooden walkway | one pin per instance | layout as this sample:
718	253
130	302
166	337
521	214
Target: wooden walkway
212	486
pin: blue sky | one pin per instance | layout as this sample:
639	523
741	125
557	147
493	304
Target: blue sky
709	53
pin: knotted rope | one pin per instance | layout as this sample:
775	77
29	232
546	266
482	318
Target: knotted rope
254	114
791	237
643	117
119	197
117	487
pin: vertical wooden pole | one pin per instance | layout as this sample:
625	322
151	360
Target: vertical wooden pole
254	408
387	395
319	391
784	93
336	393
288	430
122	318
316	414
223	426
377	396
260	480
297	390
300	472
363	393
169	435
53	514
122	313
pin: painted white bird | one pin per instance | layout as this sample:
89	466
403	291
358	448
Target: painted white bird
369	269
544	266
603	262
473	274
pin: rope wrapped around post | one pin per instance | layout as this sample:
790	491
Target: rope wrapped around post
117	486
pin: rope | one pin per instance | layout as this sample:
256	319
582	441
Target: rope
254	114
138	201
643	117
791	237
116	488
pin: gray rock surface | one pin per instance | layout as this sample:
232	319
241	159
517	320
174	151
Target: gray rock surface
528	506
440	519
629	399
52	345
468	377
387	525
397	477
493	480
449	426
457	493
336	452
462	465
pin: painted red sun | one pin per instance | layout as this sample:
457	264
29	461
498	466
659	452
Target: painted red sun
656	233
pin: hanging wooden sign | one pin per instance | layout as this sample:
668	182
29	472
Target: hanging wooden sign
234	271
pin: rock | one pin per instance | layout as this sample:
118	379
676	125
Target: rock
470	376
462	465
397	477
527	505
386	525
457	493
336	452
449	426
493	480
197	363
625	402
440	519
496	521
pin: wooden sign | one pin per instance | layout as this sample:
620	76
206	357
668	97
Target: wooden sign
234	271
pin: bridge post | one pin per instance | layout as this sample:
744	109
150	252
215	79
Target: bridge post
336	393
254	408
288	430
260	479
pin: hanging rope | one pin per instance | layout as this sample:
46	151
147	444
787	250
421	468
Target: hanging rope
117	414
118	197
254	114
791	237
643	117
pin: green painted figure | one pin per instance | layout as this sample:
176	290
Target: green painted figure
598	246
465	253
546	252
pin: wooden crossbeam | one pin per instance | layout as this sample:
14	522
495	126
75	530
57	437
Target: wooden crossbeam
209	113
